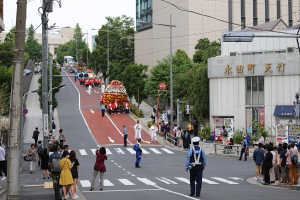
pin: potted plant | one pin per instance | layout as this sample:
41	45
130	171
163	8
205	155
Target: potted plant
237	137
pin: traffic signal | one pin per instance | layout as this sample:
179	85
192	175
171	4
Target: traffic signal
187	109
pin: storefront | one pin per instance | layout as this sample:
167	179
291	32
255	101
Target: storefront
258	87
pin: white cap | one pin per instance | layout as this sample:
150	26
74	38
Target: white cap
195	139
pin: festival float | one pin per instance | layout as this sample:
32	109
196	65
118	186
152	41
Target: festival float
115	91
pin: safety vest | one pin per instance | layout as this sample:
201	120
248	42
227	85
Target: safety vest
196	158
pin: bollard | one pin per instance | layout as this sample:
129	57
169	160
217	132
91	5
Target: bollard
56	189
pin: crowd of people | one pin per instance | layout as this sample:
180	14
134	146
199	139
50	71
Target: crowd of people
280	163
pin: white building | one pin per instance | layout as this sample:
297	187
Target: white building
152	41
257	82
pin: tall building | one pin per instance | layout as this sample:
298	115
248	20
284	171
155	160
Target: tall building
152	42
1	18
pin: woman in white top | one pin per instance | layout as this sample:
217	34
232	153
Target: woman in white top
178	136
153	130
271	171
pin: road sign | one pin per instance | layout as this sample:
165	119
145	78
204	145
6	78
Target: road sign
25	111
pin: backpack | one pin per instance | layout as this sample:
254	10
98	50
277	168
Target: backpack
39	149
55	163
225	134
294	158
135	147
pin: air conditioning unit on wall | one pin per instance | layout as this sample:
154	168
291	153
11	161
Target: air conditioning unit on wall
234	53
290	49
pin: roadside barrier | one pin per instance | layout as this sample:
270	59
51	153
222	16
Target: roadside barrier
233	150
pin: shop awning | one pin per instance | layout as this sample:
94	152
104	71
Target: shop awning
284	110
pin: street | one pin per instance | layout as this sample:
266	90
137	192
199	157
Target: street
162	175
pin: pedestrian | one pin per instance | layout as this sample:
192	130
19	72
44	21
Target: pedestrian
65	179
109	108
138	153
153	130
267	165
283	165
40	151
102	108
196	163
99	167
115	107
292	167
179	137
152	116
54	160
74	171
35	135
186	138
44	163
169	114
127	107
2	160
125	135
268	139
35	156
164	116
190	128
261	139
248	138
244	148
53	125
138	130
258	157
195	125
62	137
224	135
271	171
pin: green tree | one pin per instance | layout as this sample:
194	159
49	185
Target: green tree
32	47
206	49
121	46
6	49
62	51
161	73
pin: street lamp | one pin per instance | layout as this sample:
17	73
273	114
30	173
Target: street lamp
107	78
87	50
22	122
171	68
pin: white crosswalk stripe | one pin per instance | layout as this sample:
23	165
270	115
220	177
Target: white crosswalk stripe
158	180
83	152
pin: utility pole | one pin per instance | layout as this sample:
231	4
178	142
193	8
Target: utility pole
44	71
50	89
107	78
87	51
14	142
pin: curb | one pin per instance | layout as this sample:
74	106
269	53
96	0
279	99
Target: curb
275	185
3	194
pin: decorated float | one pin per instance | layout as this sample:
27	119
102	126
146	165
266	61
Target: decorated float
115	91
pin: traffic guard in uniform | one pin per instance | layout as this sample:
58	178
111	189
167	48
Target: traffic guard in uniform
195	162
139	152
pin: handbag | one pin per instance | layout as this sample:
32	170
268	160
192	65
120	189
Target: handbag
28	158
64	138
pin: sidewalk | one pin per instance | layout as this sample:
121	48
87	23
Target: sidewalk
33	186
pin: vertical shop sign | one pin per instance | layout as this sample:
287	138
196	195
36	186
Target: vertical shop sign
262	116
249	120
254	118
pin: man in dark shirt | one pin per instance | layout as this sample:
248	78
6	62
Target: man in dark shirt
283	163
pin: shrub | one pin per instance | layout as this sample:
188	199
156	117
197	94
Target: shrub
238	137
149	123
135	111
205	133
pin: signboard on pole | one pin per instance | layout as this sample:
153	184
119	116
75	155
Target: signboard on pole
45	122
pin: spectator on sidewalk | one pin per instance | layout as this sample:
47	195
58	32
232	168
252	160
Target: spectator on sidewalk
261	139
186	138
74	171
35	135
61	137
258	157
283	164
35	156
292	168
53	125
2	160
164	116
190	128
195	125
44	163
40	151
224	135
169	114
271	171
65	179
267	165
179	137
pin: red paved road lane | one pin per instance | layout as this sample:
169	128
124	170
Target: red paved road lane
108	128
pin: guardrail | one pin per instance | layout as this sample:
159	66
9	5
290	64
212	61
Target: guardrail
233	150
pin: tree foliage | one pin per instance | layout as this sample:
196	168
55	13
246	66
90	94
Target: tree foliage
206	49
32	47
120	31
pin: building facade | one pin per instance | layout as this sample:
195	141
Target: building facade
258	83
152	41
2	27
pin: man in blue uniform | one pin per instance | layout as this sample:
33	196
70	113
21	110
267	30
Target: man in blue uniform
195	162
138	153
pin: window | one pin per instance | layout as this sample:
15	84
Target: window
278	10
143	13
255	91
243	15
55	50
290	13
267	17
255	13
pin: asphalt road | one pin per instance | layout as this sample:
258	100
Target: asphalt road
162	175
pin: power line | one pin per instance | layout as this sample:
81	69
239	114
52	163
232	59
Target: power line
221	20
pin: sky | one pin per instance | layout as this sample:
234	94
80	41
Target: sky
87	13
